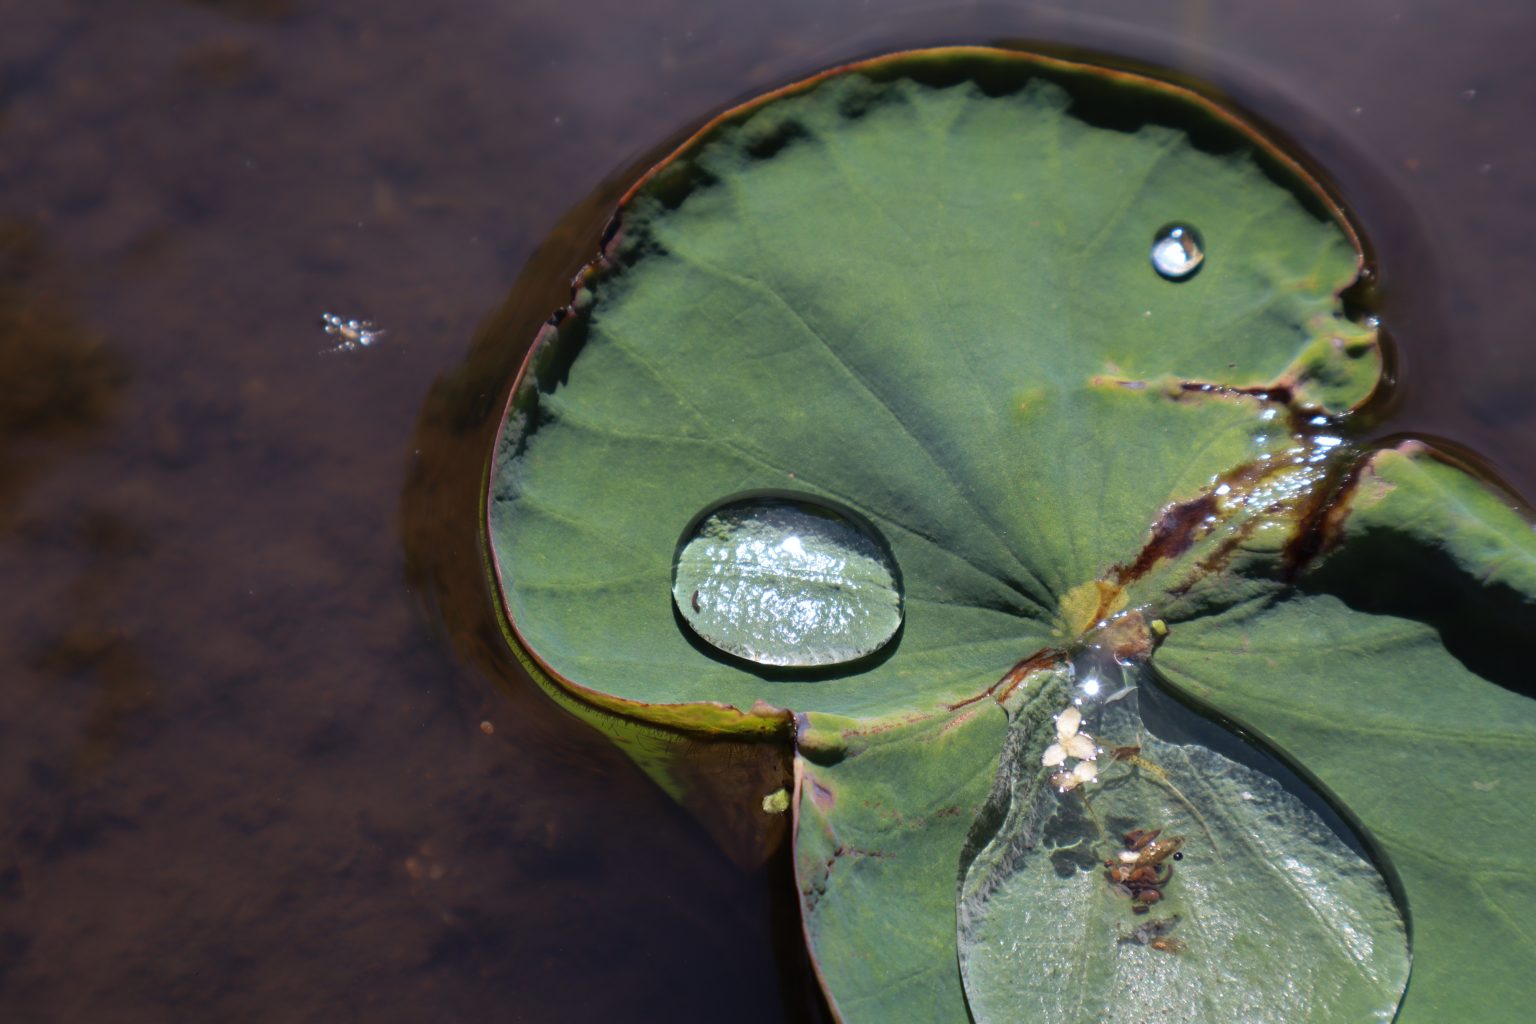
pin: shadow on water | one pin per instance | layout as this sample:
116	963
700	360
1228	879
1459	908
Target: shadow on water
62	384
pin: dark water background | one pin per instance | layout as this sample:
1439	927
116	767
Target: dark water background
247	652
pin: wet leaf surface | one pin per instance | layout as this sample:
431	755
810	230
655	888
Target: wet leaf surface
776	581
931	305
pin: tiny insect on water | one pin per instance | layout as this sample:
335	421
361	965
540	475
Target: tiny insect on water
354	334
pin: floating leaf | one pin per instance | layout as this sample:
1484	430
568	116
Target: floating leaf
922	290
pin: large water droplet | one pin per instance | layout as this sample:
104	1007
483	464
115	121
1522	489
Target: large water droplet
1254	901
1177	251
787	581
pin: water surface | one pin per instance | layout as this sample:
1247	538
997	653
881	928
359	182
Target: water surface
262	753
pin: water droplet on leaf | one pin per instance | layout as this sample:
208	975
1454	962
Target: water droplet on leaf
1177	251
1194	874
787	581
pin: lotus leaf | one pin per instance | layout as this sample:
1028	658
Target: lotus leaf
919	289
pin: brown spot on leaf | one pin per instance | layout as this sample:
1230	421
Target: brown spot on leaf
1322	519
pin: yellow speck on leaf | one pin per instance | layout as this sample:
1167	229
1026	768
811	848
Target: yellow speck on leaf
1087	605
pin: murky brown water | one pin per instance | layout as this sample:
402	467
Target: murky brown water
247	648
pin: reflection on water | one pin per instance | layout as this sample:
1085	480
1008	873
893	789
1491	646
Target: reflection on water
241	769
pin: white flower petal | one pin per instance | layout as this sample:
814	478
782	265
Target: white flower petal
1080	746
1067	722
1054	755
1086	772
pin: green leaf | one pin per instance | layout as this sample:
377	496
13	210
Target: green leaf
922	291
919	290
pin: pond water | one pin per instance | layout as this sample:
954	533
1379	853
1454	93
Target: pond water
263	755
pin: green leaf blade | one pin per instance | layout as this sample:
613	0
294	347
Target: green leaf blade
929	300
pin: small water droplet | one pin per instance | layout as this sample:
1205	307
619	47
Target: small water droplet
787	581
1177	251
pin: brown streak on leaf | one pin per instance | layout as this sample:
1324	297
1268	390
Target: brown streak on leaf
1046	658
1174	532
1281	391
1322	520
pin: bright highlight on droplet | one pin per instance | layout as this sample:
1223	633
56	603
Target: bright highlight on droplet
1177	251
787	581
